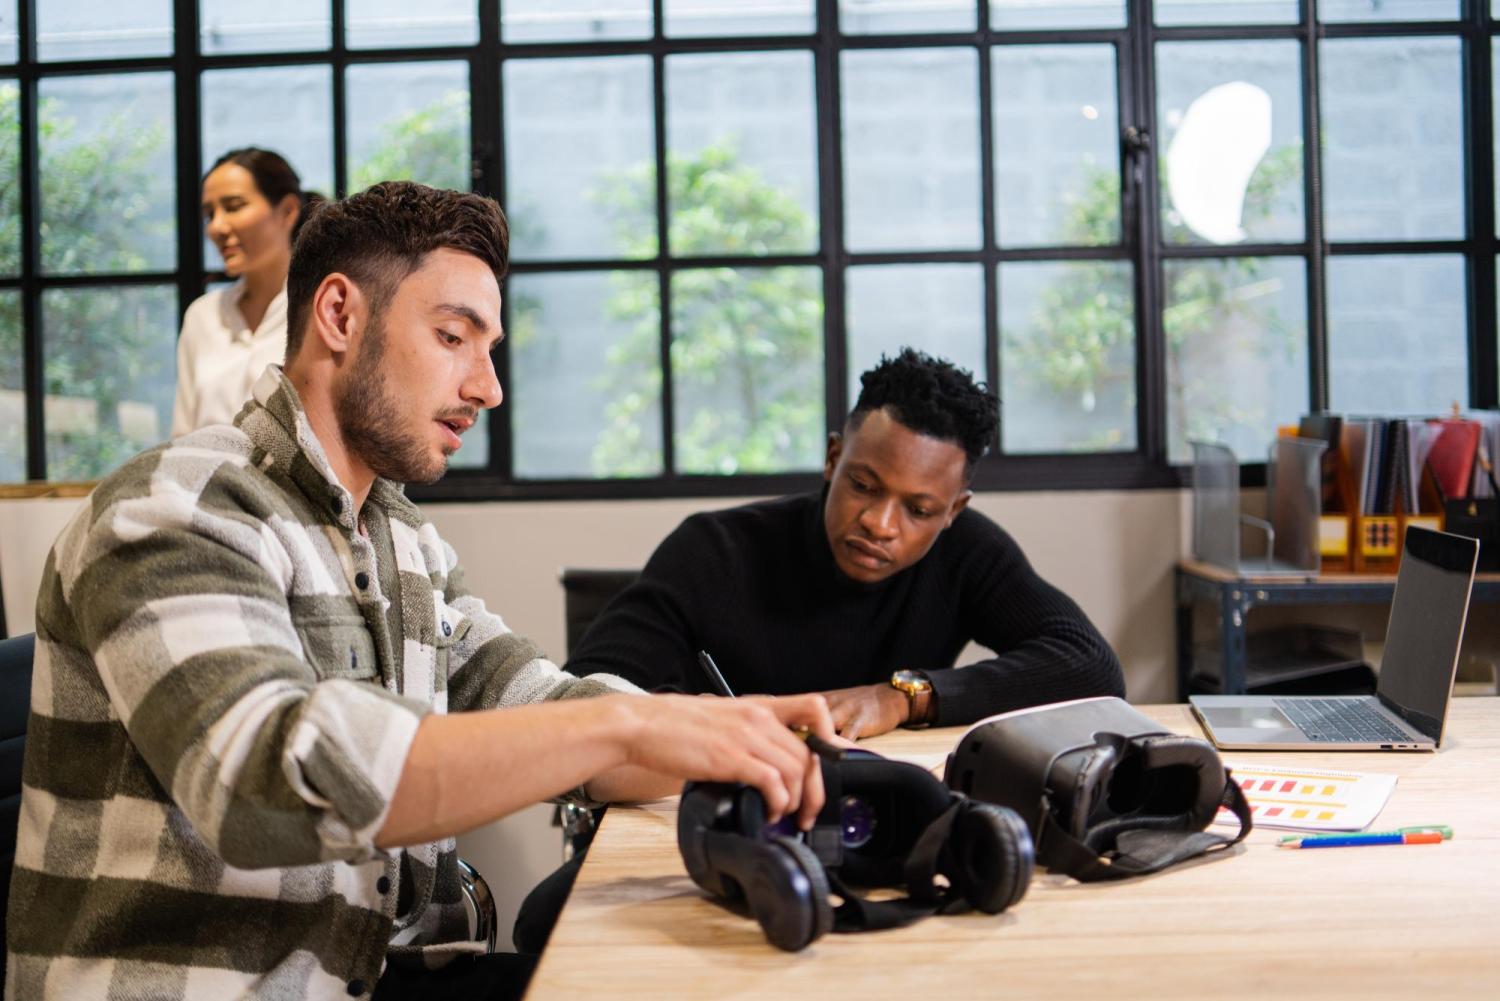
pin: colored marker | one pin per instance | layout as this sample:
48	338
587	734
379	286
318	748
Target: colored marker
1405	836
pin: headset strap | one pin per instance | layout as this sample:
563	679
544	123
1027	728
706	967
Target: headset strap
1143	850
859	913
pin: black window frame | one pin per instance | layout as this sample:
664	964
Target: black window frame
1146	466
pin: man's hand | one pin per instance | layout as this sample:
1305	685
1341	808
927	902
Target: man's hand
867	710
745	740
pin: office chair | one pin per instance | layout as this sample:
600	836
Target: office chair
16	655
15	704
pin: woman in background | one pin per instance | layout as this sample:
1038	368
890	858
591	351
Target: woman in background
253	205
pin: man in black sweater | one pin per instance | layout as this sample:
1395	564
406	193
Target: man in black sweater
868	590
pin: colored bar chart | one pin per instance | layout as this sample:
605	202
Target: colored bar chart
1309	799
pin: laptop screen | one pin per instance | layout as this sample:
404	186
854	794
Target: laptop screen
1427	626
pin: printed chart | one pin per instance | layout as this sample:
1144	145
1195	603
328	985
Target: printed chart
1310	799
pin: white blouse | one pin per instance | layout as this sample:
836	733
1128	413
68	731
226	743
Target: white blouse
219	357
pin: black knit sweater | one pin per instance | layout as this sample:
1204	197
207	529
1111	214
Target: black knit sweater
757	587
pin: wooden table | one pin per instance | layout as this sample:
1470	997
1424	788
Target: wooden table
1418	921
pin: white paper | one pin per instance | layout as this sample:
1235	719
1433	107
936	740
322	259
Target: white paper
1310	799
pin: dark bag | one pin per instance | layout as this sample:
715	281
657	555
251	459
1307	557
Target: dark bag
1478	519
1105	791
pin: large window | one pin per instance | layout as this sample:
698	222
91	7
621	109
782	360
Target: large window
1142	222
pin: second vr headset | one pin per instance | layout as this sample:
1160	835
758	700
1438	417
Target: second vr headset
1105	791
884	824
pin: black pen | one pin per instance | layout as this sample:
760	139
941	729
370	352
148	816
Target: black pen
714	677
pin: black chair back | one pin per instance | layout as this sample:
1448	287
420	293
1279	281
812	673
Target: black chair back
586	593
16	655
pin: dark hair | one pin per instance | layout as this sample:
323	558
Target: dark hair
932	397
383	234
273	177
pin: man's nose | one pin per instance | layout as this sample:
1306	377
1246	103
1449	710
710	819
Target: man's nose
482	388
879	520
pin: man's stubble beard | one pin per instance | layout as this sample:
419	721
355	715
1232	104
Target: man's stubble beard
370	419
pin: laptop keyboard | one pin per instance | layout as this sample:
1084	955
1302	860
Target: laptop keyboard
1339	721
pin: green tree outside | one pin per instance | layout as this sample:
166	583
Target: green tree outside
747	342
103	348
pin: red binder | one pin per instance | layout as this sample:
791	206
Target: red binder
1452	456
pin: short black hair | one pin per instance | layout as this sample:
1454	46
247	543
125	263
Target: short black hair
381	235
931	397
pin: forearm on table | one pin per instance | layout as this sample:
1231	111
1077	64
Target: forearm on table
467	769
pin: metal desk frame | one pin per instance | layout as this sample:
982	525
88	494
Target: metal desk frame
1235	596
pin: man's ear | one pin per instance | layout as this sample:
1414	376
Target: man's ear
338	312
958	506
831	459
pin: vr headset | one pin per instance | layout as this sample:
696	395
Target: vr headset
884	823
1105	792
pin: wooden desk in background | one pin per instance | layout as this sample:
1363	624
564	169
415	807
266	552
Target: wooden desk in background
1415	921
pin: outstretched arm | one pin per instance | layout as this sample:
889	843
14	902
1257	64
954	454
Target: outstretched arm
468	769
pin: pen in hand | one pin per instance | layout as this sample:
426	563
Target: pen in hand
714	677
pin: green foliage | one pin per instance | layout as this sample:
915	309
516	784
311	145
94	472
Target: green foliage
429	145
1080	342
107	352
747	343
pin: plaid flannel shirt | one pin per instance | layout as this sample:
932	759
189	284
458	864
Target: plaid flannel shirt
228	677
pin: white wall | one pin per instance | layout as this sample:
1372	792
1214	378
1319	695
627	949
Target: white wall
1113	551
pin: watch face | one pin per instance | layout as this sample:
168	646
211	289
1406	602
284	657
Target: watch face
910	682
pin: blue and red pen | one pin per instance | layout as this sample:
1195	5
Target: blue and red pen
1429	834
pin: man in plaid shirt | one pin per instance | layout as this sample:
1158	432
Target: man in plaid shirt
264	701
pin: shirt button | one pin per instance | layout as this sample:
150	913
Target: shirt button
447	628
337	504
383	885
361	580
356	987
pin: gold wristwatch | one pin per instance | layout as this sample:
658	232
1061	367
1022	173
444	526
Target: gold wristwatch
918	691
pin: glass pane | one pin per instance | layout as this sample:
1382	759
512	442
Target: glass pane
108	356
10	42
1230	117
735	17
580	162
594	340
397	24
1392	138
574	20
1388	10
936	308
1019	14
747	370
12	392
408	122
285	108
742	174
869	17
263	26
1221	12
1057	145
87	29
911	149
1397	340
1067	356
1236	352
10	168
108	173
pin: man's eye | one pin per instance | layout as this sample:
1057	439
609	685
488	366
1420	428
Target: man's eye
860	485
452	340
920	512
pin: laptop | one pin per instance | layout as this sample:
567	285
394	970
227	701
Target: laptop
1406	712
